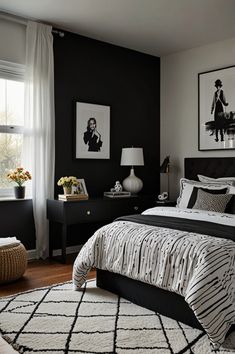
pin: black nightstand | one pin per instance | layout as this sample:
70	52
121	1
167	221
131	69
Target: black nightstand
90	211
166	203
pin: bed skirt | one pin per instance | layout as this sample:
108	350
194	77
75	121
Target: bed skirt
165	302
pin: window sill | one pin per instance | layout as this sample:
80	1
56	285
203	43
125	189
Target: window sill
13	199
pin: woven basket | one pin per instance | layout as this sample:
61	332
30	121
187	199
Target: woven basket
13	262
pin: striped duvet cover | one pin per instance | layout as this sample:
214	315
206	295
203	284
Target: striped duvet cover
198	266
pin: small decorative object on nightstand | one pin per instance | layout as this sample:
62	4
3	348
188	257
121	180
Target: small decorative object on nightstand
162	197
116	192
117	187
132	157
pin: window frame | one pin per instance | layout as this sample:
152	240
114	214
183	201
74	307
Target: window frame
15	72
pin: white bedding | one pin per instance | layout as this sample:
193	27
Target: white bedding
193	214
199	267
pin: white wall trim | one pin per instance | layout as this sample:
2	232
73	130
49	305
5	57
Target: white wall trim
69	250
32	254
10	70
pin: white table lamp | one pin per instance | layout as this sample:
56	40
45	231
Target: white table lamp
132	157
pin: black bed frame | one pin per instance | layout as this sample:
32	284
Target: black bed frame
153	298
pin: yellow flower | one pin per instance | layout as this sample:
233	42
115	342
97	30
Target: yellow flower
67	181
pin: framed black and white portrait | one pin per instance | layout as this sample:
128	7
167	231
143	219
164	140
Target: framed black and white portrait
216	109
92	131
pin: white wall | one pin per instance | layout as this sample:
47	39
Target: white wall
179	103
12	41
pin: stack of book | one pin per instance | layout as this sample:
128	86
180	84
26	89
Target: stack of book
117	194
72	197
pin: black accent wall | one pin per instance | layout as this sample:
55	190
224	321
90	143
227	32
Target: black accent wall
91	71
95	72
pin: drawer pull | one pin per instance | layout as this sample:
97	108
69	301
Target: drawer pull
136	207
88	212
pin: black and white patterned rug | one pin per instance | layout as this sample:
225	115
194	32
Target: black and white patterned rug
59	320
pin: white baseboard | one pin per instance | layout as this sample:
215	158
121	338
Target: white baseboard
69	250
32	254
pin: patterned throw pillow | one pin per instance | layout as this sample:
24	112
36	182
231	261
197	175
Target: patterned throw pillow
211	202
193	197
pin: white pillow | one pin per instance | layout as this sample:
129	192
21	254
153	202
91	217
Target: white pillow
231	189
224	180
187	186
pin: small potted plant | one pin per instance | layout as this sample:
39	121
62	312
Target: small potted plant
67	183
19	176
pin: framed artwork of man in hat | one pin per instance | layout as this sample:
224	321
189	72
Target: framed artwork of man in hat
216	109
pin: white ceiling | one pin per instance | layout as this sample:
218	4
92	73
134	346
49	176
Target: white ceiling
157	27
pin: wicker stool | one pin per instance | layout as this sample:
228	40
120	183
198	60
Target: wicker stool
13	262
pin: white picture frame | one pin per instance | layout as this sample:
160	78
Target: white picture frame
216	109
81	188
92	131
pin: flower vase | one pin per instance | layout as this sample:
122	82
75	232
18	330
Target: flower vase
67	190
19	192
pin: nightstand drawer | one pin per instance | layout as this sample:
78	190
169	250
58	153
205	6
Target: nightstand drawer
85	211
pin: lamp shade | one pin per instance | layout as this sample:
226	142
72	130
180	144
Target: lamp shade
132	157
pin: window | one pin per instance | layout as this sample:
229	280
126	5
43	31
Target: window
11	121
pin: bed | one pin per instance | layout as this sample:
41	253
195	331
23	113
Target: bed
157	299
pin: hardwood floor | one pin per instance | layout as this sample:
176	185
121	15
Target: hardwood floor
38	274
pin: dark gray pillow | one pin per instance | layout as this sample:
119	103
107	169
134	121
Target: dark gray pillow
212	202
193	197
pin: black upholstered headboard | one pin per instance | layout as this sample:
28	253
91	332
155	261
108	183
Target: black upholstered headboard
209	166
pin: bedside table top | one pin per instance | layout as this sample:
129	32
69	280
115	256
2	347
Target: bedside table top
166	203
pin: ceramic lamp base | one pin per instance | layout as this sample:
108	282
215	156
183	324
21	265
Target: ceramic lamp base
132	183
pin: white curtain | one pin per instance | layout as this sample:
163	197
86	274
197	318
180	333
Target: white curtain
39	140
